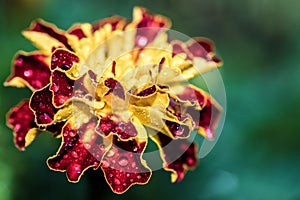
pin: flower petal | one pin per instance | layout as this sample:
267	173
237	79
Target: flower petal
63	59
30	70
46	36
21	120
178	155
206	111
41	104
112	124
148	26
123	165
81	149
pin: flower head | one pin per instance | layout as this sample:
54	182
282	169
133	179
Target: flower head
105	89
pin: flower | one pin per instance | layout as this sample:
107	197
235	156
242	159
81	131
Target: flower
104	89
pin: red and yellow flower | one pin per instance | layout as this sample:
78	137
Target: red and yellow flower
104	89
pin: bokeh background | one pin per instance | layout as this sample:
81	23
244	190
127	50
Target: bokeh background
257	156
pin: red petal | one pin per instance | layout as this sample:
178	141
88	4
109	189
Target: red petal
207	115
49	29
113	124
21	119
81	149
149	26
178	47
32	69
63	59
123	165
200	47
115	87
77	31
64	88
41	103
116	22
178	155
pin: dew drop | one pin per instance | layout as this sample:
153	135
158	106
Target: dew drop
110	153
17	127
19	61
124	184
65	67
127	175
19	139
42	128
138	177
74	154
45	118
102	147
133	165
57	165
135	149
110	175
123	162
117	181
190	161
65	156
28	73
54	87
72	133
142	41
54	58
87	146
105	164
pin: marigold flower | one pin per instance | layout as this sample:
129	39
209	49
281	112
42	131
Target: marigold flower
104	89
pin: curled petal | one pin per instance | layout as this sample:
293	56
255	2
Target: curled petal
178	155
30	70
21	120
46	36
81	149
205	111
41	104
123	165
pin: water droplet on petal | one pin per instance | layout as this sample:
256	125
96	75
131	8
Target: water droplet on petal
123	162
110	153
65	156
117	181
54	58
72	133
111	175
19	138
138	177
133	165
135	149
127	175
54	87
105	164
74	154
57	165
28	73
17	127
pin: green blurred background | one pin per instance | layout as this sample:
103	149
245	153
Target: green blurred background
257	156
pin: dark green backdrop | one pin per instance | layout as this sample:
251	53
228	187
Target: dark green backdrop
257	156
